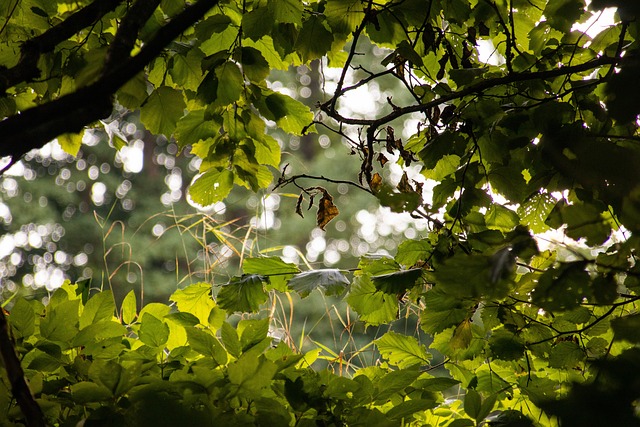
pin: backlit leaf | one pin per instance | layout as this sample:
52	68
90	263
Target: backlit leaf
402	351
212	186
162	110
195	299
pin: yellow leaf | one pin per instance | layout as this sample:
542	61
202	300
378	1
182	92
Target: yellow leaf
71	142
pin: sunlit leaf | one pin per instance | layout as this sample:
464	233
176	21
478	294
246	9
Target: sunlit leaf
153	332
212	186
71	142
401	350
195	299
162	110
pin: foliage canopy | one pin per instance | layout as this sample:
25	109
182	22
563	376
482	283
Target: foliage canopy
536	141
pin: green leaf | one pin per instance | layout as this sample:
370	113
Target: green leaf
71	142
129	308
461	422
329	280
244	294
274	268
373	306
252	374
61	322
394	382
343	16
290	115
472	403
206	344
87	392
500	218
186	70
412	251
252	332
470	276
286	11
231	340
118	378
566	355
194	127
314	40
535	210
406	409
195	299
583	220
402	350
257	23
398	202
212	186
183	319
217	34
397	282
627	328
562	14
254	66
230	84
133	93
101	306
442	311
153	332
99	331
162	110
22	319
505	345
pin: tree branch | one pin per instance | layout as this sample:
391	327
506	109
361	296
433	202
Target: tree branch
19	388
27	67
35	127
479	87
127	34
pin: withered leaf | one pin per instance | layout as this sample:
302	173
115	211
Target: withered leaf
326	209
376	182
299	205
390	139
404	186
382	159
310	201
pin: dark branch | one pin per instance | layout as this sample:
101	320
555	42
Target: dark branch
479	87
71	113
127	34
19	388
27	67
292	180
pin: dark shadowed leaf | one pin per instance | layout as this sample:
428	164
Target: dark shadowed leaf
245	294
330	281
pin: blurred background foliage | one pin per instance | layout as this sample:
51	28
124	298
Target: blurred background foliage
121	219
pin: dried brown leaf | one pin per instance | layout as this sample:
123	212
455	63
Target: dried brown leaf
299	205
376	182
326	209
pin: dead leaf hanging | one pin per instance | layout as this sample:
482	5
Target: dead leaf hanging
299	205
326	209
376	182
